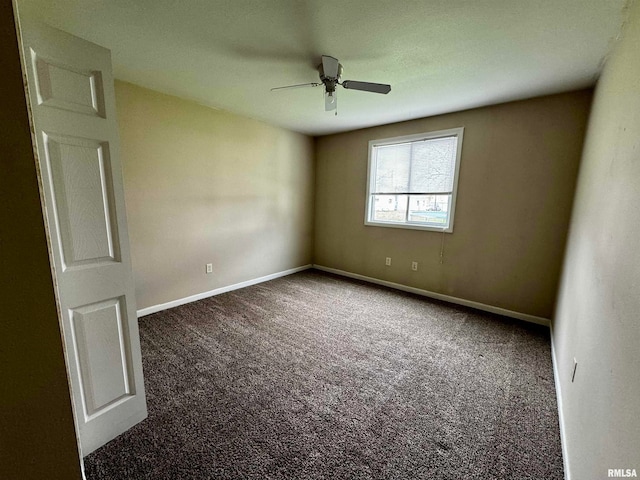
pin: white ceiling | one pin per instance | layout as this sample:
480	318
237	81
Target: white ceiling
439	55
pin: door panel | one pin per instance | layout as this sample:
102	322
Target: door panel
72	101
100	340
81	175
63	87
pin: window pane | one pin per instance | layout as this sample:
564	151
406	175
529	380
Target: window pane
430	209
392	168
389	208
433	165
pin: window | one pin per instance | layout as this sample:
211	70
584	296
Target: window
413	180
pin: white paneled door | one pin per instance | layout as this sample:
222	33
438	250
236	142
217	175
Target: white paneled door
72	100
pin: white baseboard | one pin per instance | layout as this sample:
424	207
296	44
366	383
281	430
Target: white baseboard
182	301
563	435
439	296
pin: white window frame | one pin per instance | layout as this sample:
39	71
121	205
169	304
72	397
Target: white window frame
368	214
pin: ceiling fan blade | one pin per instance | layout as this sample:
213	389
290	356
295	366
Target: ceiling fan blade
299	85
330	66
366	86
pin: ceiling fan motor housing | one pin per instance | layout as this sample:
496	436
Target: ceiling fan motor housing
330	82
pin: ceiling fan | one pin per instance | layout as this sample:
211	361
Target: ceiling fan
330	71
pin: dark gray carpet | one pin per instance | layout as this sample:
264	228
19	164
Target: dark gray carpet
313	376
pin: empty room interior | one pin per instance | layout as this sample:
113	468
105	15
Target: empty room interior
221	257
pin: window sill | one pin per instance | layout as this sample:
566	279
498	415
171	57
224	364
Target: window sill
409	226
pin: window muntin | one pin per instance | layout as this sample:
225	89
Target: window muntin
413	180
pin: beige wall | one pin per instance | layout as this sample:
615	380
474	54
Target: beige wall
205	186
37	437
598	319
517	178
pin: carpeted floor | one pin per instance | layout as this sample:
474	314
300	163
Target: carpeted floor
313	376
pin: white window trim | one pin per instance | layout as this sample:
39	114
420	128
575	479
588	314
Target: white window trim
458	132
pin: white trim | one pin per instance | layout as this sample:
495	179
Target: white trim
218	291
563	435
439	296
406	226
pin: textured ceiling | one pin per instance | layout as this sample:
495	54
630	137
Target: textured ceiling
438	55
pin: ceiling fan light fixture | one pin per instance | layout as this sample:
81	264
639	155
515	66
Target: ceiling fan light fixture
330	100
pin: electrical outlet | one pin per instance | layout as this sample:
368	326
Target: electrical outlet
209	267
414	266
575	367
387	261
